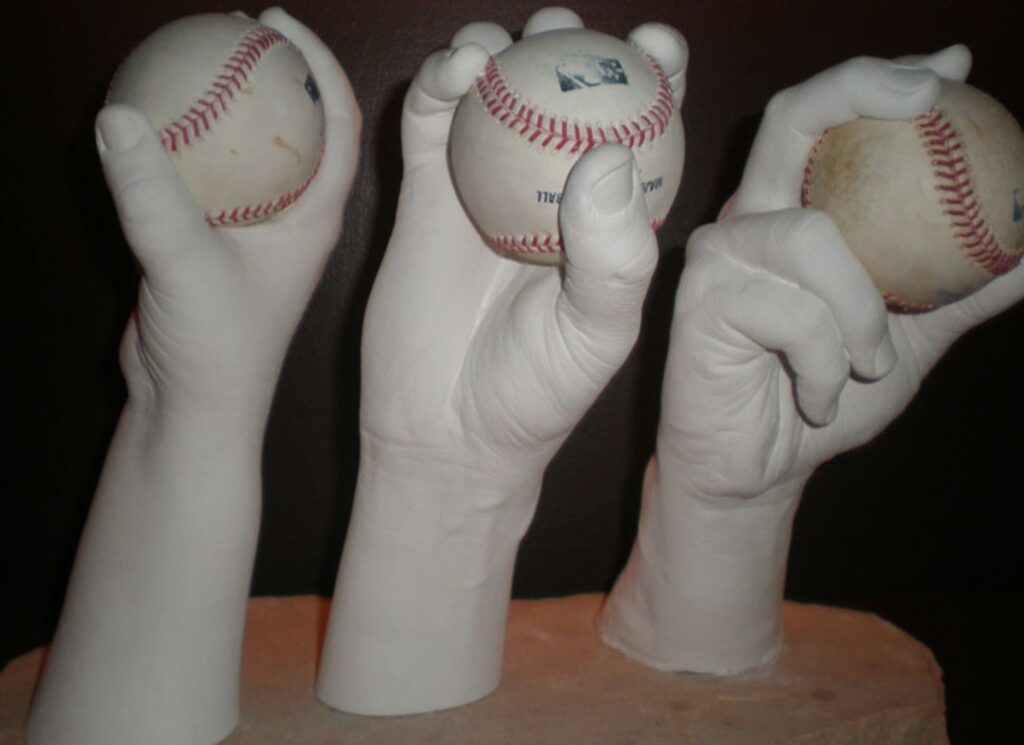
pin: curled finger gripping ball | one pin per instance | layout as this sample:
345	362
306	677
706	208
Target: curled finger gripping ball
536	108
237	109
931	206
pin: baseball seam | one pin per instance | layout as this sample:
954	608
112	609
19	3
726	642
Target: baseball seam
253	212
556	133
956	194
892	300
215	100
541	243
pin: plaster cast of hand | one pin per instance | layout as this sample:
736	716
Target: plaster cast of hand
217	306
475	369
148	648
782	355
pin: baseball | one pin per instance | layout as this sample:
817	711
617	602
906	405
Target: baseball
931	206
535	109
237	109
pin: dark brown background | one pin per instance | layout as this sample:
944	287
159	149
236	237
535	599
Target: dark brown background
918	526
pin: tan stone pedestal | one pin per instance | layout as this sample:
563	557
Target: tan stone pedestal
845	677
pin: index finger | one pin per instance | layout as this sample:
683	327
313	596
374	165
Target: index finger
953	62
796	117
342	118
335	88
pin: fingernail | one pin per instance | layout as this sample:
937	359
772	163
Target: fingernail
614	191
885	357
907	79
118	130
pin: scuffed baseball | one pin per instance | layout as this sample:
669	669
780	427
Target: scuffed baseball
237	109
536	108
931	206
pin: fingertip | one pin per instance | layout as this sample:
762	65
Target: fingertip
448	74
885	357
551	19
954	62
270	15
490	36
607	176
665	44
830	414
275	17
603	217
466	62
818	400
119	127
910	79
157	212
886	90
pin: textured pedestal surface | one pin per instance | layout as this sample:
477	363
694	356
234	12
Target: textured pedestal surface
845	677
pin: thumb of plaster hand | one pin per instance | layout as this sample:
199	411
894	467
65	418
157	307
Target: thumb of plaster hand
611	253
160	220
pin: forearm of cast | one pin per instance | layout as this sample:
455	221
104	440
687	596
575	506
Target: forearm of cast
159	588
420	604
702	590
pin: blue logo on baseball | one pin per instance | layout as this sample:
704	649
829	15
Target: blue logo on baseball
311	89
589	71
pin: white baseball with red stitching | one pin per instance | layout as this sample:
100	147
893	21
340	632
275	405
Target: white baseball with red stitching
933	207
237	108
535	109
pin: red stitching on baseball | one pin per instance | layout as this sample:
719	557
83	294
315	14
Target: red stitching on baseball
520	116
199	118
255	211
956	194
805	189
541	244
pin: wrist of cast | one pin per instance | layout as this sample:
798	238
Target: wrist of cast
443	485
420	604
203	412
210	399
430	492
702	590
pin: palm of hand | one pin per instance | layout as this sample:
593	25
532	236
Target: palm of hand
782	352
740	430
467	355
217	307
224	321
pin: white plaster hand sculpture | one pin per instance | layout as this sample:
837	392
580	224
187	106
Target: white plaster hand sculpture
741	431
149	643
475	369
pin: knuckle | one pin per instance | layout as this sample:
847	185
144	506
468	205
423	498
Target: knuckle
141	200
780	103
808	232
856	66
814	226
815	324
